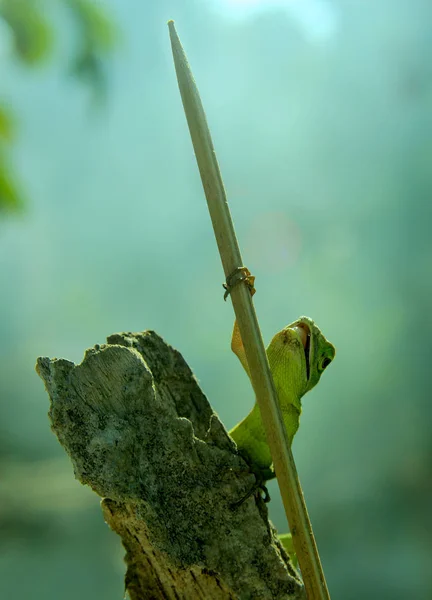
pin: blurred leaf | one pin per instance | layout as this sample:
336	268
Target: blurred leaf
10	198
95	24
31	32
7	125
88	67
32	36
97	37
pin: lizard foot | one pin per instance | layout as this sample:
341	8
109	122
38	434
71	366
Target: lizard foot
237	276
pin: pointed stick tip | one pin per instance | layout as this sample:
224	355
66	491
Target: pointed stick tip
173	33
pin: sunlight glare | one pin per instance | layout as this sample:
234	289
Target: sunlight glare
317	18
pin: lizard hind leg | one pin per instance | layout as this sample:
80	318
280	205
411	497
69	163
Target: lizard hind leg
256	488
259	486
238	348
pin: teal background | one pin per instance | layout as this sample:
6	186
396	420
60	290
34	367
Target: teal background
321	117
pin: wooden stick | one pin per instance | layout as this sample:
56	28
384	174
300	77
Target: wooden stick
292	495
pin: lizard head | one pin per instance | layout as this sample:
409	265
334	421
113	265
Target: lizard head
298	355
318	352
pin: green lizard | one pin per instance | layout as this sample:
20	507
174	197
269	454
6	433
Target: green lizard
297	357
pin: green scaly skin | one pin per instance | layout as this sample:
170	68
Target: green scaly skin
297	356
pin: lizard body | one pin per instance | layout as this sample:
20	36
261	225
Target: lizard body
297	355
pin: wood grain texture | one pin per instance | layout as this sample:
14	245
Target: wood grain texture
142	434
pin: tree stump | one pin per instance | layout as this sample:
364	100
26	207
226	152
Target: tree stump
142	434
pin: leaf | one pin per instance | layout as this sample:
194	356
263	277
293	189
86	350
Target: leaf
95	24
7	125
96	38
31	32
10	198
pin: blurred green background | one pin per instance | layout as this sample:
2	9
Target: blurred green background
321	117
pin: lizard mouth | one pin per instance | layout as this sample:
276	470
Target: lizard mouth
305	337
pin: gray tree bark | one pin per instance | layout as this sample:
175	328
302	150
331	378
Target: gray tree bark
141	433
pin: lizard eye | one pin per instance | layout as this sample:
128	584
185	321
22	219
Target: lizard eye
325	363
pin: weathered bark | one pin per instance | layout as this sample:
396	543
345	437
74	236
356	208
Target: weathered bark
141	433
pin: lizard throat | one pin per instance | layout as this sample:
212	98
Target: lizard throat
304	332
307	354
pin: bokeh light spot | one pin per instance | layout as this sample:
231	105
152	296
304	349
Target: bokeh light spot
273	242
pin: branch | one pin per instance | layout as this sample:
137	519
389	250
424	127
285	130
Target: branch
142	434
